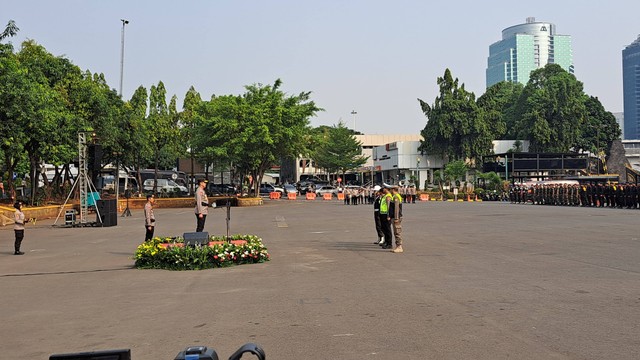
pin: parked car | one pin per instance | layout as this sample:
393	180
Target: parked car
220	189
290	189
305	187
266	189
164	186
327	189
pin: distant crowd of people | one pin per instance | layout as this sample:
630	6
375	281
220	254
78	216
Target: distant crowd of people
625	196
367	194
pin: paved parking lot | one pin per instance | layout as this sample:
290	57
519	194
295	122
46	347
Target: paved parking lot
477	281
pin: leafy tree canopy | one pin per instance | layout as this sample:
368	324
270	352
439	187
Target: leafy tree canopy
456	126
339	150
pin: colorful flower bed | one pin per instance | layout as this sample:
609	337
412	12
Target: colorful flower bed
171	254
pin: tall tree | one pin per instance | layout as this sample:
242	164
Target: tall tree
257	128
162	126
455	126
551	110
600	128
16	100
340	151
46	119
137	132
188	120
497	105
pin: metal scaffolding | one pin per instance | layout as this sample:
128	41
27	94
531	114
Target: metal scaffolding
83	178
85	187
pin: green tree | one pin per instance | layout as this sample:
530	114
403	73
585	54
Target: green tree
492	181
14	99
455	170
455	125
498	106
10	30
188	121
216	122
551	110
136	137
45	117
340	151
162	126
256	129
600	128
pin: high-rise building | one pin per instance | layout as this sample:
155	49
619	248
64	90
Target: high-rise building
631	89
527	47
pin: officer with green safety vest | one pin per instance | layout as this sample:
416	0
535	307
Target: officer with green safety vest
385	221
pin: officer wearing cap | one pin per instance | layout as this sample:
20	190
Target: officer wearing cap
395	218
376	215
202	205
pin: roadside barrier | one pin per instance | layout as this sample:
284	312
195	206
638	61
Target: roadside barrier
327	196
291	196
311	196
340	196
274	195
424	197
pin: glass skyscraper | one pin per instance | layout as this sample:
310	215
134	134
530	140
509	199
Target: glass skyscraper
631	89
527	47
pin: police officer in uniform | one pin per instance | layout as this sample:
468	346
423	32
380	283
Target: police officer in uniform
395	217
18	227
376	214
202	205
149	218
385	201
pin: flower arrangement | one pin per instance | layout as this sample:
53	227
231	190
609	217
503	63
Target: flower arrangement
170	253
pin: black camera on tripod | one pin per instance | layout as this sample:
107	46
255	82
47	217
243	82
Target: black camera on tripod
206	353
190	353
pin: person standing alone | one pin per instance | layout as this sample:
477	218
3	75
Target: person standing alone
18	227
149	218
202	205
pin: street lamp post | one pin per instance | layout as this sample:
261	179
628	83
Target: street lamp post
354	113
418	172
124	22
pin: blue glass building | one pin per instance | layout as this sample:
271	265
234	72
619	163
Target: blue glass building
631	89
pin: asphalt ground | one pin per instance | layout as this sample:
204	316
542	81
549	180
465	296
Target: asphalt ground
477	281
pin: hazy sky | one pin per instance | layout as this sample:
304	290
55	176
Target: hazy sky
374	57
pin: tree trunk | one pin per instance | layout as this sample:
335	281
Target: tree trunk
33	174
11	166
192	181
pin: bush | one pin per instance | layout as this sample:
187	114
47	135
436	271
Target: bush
169	254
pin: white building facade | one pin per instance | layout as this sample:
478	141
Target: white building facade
398	161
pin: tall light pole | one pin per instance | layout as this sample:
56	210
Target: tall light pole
124	22
418	172
354	113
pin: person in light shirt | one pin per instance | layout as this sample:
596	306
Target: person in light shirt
18	227
202	205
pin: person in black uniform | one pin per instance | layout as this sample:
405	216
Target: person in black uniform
376	214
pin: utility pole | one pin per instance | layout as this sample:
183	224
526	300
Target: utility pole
354	113
124	22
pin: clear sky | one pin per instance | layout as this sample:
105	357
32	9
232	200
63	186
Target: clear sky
374	57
